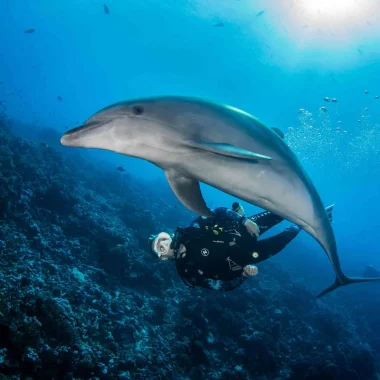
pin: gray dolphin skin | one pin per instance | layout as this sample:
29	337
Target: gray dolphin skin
195	140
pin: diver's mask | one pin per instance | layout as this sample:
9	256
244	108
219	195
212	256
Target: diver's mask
160	245
237	207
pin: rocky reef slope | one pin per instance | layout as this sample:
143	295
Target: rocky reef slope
81	298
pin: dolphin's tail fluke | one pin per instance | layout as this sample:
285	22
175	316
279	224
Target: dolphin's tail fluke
346	281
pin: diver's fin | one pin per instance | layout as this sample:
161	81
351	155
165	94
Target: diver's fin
346	281
187	190
226	150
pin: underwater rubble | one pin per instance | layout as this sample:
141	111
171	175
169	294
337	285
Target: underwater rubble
80	297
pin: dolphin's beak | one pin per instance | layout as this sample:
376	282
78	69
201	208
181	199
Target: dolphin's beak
65	140
71	137
75	137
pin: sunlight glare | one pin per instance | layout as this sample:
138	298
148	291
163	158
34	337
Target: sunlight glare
329	6
336	23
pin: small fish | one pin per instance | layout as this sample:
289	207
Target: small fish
29	31
333	100
59	98
376	97
106	9
218	25
43	145
369	23
359	51
326	99
120	169
324	109
260	13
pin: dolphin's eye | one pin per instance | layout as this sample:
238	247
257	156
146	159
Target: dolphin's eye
137	110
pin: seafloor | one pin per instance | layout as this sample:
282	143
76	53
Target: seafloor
80	298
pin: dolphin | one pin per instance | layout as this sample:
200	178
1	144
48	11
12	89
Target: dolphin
195	140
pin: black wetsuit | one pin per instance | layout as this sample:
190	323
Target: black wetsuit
218	248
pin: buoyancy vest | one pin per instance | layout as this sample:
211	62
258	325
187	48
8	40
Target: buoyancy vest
212	251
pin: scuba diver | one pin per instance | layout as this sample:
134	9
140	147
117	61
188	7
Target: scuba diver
219	252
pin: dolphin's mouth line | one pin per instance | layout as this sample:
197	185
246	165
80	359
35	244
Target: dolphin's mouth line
83	129
92	125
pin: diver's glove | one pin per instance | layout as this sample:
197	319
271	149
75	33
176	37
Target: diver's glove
250	270
252	228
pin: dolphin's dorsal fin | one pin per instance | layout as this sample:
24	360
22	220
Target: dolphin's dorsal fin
226	150
188	192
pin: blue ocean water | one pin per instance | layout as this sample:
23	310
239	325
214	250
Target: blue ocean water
275	59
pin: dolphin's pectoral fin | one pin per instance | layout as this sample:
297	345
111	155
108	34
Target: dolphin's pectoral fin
188	192
226	150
